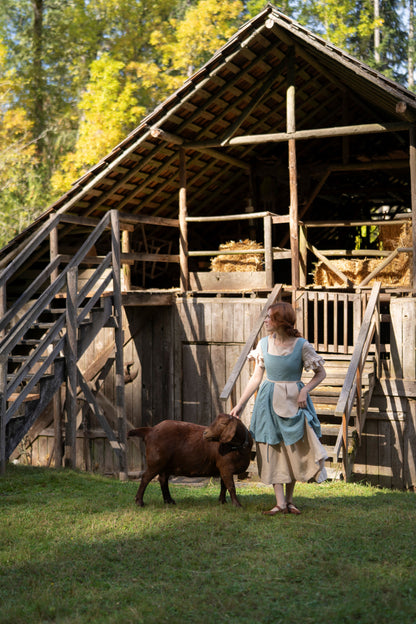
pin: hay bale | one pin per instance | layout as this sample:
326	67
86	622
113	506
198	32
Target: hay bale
397	273
247	262
393	235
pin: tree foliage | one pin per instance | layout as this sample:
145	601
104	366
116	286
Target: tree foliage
77	76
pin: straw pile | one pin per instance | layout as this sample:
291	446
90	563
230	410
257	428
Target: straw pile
247	262
397	273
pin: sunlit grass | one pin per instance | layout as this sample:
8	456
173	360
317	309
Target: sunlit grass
75	548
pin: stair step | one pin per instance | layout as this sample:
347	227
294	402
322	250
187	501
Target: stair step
22	358
30	397
323	412
339	357
33	342
333	430
337	379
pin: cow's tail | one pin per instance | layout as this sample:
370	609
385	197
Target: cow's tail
141	432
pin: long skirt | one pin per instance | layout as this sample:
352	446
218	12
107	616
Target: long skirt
302	461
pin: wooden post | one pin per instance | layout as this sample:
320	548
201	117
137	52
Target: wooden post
57	404
303	256
412	164
53	250
268	250
3	387
57	428
119	340
290	128
183	226
3	408
125	248
71	369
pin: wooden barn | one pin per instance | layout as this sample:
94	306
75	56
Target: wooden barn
283	169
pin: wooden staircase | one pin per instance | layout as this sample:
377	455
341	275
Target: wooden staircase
47	327
33	381
325	399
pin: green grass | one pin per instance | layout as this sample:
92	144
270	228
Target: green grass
75	548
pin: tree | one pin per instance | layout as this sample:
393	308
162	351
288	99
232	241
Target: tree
119	93
109	110
18	185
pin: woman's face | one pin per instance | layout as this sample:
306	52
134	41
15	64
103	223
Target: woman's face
268	323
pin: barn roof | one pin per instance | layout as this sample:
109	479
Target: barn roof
241	91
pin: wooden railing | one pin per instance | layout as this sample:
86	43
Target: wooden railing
351	393
60	338
229	388
330	320
267	250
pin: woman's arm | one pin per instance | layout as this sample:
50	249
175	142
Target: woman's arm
250	389
319	376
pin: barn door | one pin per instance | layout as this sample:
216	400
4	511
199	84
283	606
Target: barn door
205	370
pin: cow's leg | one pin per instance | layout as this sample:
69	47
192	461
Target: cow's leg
147	476
228	480
223	493
164	486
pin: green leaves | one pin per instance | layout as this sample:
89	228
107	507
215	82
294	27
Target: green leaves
73	87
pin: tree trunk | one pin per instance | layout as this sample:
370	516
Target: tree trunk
38	80
411	47
377	31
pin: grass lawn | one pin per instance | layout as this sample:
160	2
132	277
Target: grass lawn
75	548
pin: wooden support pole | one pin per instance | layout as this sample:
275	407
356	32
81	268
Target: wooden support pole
119	340
183	227
412	164
53	249
125	248
3	386
345	119
57	428
71	369
268	251
3	407
290	128
56	403
303	256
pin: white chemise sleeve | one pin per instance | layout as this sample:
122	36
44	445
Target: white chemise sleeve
257	355
311	359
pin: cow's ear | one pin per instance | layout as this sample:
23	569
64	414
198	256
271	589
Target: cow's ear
229	430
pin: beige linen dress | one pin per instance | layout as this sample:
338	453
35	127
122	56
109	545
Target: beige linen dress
287	438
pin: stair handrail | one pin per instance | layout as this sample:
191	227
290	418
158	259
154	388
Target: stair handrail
238	367
352	388
37	238
52	290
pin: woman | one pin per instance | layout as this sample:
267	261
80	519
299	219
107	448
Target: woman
284	422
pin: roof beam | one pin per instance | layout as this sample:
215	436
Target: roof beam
318	133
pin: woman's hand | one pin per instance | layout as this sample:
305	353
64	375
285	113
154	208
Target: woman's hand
302	398
236	411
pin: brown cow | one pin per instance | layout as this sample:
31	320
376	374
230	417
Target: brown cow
184	449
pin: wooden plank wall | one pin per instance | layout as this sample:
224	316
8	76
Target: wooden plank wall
183	355
209	336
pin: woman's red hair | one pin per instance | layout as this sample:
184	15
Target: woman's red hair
283	315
